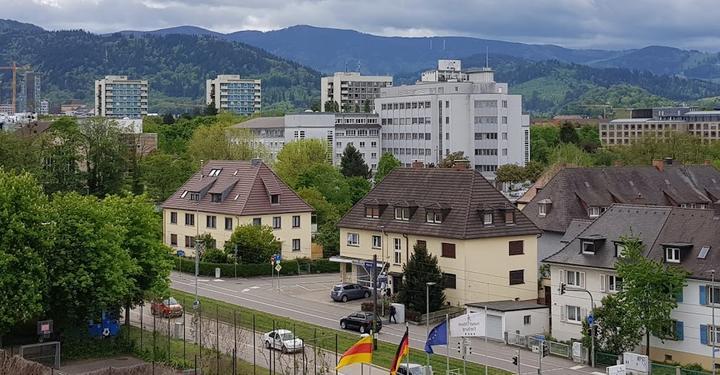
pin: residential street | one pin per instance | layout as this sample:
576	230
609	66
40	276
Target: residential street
307	298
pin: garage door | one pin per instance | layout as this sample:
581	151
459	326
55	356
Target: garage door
494	327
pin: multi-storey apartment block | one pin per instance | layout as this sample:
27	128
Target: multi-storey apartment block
659	123
234	94
351	91
120	97
450	110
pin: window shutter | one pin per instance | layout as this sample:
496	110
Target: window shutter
679	297
703	334
703	295
582	279
603	283
679	330
563	313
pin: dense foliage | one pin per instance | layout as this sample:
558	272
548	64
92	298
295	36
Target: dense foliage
255	243
421	268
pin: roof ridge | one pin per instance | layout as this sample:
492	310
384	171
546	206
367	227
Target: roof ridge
648	249
249	191
467	211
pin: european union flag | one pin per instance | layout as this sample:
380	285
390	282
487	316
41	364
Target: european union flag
437	336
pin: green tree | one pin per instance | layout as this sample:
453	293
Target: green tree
568	133
255	243
570	154
163	174
89	262
331	106
588	138
543	139
297	157
315	105
451	158
511	173
168	119
328	180
219	142
617	331
24	240
366	106
324	210
60	152
419	270
352	163
143	242
386	164
210	110
328	237
105	153
19	152
359	187
533	170
649	289
215	256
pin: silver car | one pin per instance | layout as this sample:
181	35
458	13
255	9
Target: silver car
346	292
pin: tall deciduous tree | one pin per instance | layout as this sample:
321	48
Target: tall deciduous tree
163	174
451	158
419	270
19	152
24	239
60	151
618	330
219	142
387	163
105	152
331	106
568	133
649	289
511	173
352	163
255	243
297	157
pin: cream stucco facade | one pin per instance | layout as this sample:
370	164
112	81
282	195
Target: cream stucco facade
286	232
481	266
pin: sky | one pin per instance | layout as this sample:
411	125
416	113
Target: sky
606	24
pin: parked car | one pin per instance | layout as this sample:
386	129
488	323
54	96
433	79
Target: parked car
346	292
414	369
167	308
360	321
283	340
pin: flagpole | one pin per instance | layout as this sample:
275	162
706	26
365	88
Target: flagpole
407	357
447	343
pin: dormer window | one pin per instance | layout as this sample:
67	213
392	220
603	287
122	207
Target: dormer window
591	244
215	197
588	247
372	212
183	194
619	249
594	211
402	213
434	217
544	207
672	254
509	216
488	218
194	196
215	172
275	199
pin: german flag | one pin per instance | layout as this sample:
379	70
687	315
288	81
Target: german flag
360	352
402	351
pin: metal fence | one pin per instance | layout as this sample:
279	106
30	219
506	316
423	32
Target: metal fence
534	342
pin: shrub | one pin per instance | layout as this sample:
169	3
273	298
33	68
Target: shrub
289	267
214	256
367	306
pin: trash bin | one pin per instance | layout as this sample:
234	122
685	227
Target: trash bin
399	312
217	272
179	329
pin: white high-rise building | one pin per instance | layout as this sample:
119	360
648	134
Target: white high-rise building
351	91
120	97
229	92
452	110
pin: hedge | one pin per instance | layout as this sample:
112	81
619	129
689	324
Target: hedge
289	267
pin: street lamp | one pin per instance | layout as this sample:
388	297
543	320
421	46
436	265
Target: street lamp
427	318
712	307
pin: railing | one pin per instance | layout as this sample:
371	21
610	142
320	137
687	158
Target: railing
534	343
437	316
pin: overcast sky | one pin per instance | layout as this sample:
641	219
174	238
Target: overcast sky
688	24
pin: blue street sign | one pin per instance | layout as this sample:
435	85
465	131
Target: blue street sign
180	253
369	264
277	257
590	319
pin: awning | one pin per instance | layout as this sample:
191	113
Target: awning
367	263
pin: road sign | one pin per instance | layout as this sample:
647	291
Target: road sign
196	304
278	268
590	319
368	264
180	253
277	258
468	325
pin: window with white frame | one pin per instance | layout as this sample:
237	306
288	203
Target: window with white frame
713	334
575	278
433	217
619	249
397	246
277	222
402	213
353	239
542	210
614	283
376	242
672	254
296	244
573	314
487	218
713	294
588	247
594	211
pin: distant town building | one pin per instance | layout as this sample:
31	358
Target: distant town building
234	94
351	91
28	96
44	107
120	97
658	122
337	129
449	110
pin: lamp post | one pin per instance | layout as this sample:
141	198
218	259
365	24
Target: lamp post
236	261
712	308
427	318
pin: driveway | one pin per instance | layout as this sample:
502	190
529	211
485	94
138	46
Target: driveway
307	298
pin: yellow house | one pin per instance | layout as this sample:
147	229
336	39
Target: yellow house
486	247
225	194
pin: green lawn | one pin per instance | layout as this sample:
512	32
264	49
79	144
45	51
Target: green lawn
325	337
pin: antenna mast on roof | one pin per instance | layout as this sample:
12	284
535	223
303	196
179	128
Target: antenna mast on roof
487	58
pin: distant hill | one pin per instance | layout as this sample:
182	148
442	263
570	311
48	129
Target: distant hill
176	65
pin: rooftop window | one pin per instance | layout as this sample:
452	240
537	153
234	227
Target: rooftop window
402	213
215	172
275	199
434	217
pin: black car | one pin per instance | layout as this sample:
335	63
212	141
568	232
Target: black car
360	321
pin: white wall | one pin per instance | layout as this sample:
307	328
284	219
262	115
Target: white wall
514	321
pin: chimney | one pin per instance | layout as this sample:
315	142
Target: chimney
658	164
418	164
617	163
461	164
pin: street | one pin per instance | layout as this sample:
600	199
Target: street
306	298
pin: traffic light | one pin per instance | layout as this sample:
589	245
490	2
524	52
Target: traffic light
562	288
545	349
515	360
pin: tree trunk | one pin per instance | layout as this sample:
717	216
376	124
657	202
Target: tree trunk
127	315
647	343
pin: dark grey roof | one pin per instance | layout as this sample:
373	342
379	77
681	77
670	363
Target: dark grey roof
458	194
573	190
262	123
657	228
509	305
576	227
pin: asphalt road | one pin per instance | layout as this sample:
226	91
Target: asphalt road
306	298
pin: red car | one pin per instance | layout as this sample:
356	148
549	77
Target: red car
167	308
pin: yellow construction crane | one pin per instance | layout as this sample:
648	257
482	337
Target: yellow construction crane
14	68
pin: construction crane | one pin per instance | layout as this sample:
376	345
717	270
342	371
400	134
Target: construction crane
14	68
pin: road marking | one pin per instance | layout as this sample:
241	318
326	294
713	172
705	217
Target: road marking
218	280
245	290
578	367
254	287
597	373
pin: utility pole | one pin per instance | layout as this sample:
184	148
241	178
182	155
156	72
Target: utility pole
427	318
375	309
563	289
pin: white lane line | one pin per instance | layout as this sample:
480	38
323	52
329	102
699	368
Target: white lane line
597	373
245	290
254	287
578	367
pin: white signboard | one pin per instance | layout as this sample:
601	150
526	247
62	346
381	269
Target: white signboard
636	363
615	370
468	325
